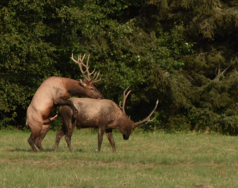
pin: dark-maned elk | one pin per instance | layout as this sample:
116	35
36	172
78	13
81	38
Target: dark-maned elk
53	92
102	114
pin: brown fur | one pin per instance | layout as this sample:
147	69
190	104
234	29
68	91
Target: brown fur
53	91
102	114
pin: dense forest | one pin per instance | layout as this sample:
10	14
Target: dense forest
183	52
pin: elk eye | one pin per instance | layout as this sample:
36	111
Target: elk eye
92	88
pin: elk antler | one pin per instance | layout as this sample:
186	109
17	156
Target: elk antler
125	95
147	120
80	63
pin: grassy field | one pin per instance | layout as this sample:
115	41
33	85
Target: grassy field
145	160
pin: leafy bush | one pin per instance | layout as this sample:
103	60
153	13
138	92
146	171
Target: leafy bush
173	51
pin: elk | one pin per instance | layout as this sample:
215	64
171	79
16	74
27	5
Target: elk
102	114
53	92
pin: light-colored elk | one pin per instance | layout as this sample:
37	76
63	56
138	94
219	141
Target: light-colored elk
53	92
102	114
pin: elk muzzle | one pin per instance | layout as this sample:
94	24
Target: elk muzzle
125	137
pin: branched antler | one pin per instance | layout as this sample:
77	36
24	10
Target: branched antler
125	95
147	120
80	63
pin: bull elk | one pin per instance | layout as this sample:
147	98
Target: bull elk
102	114
53	92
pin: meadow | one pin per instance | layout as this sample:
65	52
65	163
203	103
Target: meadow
155	159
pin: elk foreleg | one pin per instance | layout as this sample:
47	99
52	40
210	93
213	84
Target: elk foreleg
111	140
69	103
100	137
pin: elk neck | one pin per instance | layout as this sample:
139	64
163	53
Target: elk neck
74	87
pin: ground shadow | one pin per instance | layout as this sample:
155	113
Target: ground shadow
79	150
28	150
46	150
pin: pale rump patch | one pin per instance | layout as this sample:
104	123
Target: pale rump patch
52	118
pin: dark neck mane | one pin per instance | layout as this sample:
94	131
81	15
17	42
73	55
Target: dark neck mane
74	87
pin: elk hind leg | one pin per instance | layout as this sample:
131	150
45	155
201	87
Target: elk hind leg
69	103
111	139
41	136
35	131
31	142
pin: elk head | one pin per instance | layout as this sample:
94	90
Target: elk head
130	125
87	82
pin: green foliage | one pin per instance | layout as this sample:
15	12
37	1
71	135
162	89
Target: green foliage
25	58
175	51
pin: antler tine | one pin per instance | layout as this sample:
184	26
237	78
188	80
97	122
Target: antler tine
96	75
125	95
88	60
87	67
147	120
72	57
120	106
150	120
81	59
90	73
80	63
95	78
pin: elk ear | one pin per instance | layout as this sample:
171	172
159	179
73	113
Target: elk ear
82	83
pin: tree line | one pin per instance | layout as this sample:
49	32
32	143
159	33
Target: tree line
182	52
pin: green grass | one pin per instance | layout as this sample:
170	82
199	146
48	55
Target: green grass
145	160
